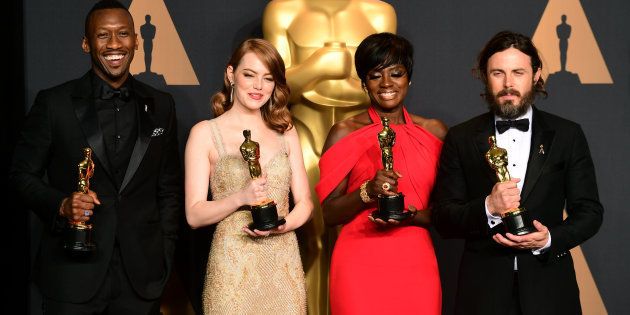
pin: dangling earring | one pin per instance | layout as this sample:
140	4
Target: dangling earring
271	98
409	83
231	92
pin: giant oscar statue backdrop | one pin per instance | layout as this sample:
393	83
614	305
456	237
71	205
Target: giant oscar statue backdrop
317	40
185	44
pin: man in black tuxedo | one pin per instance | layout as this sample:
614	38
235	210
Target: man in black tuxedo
551	170
135	195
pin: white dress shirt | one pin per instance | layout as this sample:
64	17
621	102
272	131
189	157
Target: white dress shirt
517	143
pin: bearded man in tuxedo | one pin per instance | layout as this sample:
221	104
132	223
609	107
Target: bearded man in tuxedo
551	170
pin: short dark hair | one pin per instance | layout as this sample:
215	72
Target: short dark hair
508	39
102	5
382	50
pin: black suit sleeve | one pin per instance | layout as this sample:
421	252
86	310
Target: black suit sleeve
170	195
30	159
585	212
456	214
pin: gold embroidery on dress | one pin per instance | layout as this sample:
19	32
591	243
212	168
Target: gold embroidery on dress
248	275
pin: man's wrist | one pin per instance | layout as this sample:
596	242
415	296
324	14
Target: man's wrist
545	247
61	206
490	208
493	220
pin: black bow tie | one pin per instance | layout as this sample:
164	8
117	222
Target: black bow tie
107	92
520	124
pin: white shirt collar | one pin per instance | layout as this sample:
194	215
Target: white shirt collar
528	114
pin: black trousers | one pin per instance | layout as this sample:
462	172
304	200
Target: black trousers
515	306
115	296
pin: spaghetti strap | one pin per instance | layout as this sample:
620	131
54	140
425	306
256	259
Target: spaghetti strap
283	142
216	137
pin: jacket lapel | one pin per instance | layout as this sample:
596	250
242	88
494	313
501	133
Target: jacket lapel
144	108
88	120
484	130
542	139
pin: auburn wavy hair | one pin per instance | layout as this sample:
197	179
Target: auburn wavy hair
275	112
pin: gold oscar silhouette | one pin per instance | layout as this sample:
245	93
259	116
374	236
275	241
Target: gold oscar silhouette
264	214
78	235
389	207
516	221
317	40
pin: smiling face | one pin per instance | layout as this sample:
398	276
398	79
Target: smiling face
111	42
387	87
510	83
253	82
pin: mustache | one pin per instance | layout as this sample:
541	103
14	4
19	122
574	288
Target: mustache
507	91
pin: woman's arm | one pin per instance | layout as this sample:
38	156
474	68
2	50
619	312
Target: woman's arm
199	161
341	206
300	188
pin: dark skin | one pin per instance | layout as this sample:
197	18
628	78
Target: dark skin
111	42
387	89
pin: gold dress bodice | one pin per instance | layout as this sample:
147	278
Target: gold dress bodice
248	275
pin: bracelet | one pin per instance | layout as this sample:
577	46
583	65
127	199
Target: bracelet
364	194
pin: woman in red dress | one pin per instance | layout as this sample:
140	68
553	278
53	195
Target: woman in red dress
382	267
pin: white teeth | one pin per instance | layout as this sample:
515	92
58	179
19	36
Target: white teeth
388	94
113	57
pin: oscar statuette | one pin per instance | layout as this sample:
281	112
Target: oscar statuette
516	221
264	214
78	235
389	207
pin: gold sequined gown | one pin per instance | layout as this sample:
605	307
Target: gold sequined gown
248	275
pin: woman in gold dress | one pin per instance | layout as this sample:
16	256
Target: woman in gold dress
249	271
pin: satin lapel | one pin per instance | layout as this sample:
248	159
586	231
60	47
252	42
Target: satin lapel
88	119
542	139
145	128
485	129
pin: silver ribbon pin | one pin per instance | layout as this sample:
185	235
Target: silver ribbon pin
542	150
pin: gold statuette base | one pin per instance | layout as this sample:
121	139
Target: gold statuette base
265	217
391	207
78	240
517	222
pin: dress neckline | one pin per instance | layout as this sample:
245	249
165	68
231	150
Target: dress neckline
376	118
224	155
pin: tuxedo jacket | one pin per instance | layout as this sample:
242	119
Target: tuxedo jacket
141	215
560	175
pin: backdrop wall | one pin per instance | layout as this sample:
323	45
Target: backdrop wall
593	91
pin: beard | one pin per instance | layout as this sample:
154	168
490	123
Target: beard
509	110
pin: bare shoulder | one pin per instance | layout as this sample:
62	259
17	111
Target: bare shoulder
345	127
291	135
202	127
434	126
292	139
200	139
